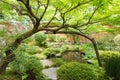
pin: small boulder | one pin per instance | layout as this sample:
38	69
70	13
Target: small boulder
89	61
58	55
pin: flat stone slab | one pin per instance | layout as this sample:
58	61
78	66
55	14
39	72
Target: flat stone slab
46	62
51	73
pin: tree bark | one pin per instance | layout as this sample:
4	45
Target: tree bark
96	51
10	55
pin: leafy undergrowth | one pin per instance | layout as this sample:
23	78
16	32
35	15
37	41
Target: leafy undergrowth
9	76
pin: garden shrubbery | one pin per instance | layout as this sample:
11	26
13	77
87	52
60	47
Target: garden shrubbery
40	39
112	67
111	60
57	62
27	49
76	71
28	67
9	76
104	55
51	52
101	75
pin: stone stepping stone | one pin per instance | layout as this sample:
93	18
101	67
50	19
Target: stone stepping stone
51	73
46	62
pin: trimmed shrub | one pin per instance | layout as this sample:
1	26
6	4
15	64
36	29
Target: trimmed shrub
112	67
28	67
111	60
100	73
31	50
51	52
75	71
104	55
40	38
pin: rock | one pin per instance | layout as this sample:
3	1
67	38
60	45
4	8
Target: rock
89	62
58	55
46	62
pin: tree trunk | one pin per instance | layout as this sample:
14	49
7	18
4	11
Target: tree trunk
4	63
96	51
10	55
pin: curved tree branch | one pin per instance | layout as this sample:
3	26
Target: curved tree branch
51	31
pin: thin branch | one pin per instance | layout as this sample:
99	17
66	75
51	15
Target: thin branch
38	6
63	21
46	7
27	5
51	18
79	4
65	6
97	21
89	20
57	19
92	14
51	31
27	14
75	26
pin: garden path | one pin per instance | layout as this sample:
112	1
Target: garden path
51	72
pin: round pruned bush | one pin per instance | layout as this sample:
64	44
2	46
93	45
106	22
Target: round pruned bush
76	71
40	39
100	73
27	67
